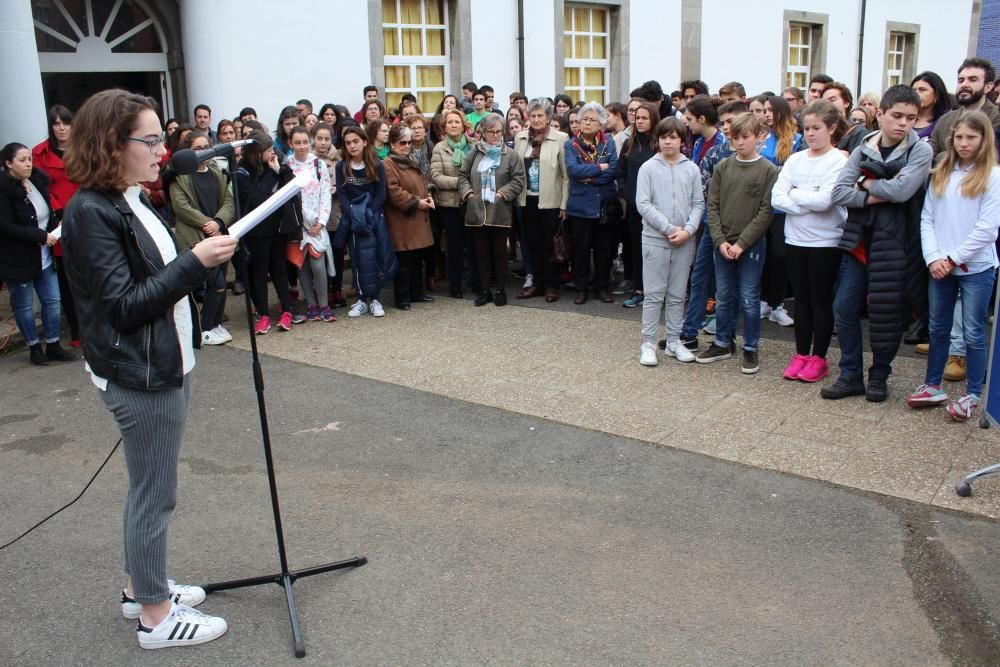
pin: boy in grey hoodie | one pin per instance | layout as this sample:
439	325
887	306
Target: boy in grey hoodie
670	200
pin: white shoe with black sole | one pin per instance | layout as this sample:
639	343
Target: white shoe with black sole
183	626
189	596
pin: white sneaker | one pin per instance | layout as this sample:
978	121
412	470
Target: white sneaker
222	331
211	338
377	309
183	626
529	281
780	316
358	309
676	349
647	354
765	310
189	596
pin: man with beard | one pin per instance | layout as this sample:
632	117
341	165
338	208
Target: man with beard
975	80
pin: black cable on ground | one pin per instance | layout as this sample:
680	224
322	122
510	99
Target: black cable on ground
80	495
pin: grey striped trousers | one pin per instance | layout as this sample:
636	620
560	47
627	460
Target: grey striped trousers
152	425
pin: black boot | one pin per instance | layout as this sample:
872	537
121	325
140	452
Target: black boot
878	387
53	352
485	296
501	298
37	356
842	388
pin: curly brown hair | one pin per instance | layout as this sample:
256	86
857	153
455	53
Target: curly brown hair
100	131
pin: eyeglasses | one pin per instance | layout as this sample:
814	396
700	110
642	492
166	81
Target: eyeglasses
493	132
404	142
151	144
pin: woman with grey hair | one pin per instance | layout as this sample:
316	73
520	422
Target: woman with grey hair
591	161
489	182
543	150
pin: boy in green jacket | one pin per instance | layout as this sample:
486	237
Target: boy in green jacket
739	212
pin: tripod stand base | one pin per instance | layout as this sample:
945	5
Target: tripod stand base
285	580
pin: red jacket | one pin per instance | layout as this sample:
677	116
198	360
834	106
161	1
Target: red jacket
61	189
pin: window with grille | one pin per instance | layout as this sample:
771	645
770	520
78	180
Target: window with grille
415	45
586	46
800	55
900	54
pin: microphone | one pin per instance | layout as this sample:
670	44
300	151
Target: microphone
186	161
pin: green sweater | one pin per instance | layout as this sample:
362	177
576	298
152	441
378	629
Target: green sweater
474	117
739	201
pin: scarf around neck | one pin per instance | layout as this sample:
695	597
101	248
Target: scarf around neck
488	170
587	150
536	138
459	149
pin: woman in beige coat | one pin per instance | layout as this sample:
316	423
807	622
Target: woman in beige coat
543	150
406	215
446	161
489	183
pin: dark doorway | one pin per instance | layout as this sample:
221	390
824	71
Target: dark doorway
71	88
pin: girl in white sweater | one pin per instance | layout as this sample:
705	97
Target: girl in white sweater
317	198
958	229
813	227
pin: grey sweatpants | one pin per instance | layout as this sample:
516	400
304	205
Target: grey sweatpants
665	274
151	424
312	275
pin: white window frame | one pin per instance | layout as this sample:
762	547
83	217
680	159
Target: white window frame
896	39
583	64
413	62
807	46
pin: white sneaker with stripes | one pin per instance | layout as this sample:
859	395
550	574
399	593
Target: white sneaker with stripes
183	626
189	596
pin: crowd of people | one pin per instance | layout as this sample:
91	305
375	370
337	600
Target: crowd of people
712	206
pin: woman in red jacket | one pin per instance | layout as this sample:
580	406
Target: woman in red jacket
48	156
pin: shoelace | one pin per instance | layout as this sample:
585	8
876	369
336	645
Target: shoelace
186	613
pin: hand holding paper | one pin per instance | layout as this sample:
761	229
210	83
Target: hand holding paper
250	220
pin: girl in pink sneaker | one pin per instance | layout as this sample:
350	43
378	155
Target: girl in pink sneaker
958	228
813	227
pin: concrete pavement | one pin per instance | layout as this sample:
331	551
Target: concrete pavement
493	537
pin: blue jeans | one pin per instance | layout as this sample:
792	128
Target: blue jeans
47	286
743	275
976	289
852	290
702	282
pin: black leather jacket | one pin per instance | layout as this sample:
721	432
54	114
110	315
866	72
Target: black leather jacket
124	294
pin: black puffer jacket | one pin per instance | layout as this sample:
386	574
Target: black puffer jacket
20	237
124	294
897	277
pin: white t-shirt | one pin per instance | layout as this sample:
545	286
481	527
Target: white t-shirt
42	212
182	309
803	191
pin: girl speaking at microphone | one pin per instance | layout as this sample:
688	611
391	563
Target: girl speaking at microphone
133	282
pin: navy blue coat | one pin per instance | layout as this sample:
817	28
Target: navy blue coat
364	232
589	187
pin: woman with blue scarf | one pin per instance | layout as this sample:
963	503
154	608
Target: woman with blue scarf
446	161
489	181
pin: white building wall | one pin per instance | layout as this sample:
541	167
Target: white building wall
259	64
23	116
494	46
654	44
539	49
944	38
753	39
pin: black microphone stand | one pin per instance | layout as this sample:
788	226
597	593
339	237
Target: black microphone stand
285	578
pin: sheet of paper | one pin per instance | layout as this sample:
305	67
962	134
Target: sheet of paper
270	205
